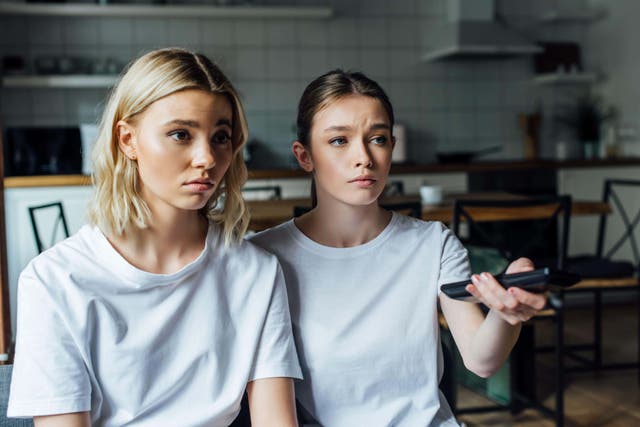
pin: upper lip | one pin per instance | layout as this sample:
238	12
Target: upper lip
363	178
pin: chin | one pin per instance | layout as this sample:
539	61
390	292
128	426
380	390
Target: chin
361	201
193	206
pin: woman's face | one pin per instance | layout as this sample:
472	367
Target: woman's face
350	153
183	146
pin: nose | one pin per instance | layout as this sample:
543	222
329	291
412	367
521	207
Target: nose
362	155
203	156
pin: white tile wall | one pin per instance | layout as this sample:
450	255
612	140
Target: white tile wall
445	105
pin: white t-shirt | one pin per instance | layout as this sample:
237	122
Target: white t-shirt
365	322
141	349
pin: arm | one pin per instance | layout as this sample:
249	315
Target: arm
485	342
77	419
272	402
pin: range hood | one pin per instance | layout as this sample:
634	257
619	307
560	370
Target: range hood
472	30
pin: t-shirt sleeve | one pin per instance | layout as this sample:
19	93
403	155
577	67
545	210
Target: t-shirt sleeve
49	375
454	260
276	355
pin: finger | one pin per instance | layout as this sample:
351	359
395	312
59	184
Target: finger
520	265
536	301
493	294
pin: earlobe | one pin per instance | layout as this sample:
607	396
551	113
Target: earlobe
126	139
303	156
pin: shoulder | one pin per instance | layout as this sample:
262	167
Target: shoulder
68	255
246	255
272	238
59	271
424	229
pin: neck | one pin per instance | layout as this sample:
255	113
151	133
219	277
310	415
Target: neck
340	225
168	243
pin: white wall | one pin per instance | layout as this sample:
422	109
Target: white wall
451	105
612	47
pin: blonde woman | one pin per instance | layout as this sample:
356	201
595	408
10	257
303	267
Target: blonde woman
157	313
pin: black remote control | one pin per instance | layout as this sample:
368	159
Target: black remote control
537	281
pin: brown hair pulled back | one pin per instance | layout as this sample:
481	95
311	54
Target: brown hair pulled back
328	88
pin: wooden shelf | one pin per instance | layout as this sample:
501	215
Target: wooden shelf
167	11
555	17
565	78
60	81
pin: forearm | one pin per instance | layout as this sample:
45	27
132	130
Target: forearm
491	344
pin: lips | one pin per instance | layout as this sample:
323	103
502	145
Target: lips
364	181
200	185
368	178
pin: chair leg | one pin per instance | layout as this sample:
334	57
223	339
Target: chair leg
638	334
559	356
597	329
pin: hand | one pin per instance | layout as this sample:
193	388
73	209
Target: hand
514	305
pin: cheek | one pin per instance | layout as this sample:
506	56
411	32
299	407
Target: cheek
224	157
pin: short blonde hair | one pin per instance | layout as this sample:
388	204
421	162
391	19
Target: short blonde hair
117	204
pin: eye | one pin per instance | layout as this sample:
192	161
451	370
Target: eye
221	137
338	141
180	135
379	140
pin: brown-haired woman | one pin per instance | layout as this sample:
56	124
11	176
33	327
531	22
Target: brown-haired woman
364	282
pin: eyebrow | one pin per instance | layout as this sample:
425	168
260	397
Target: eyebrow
374	126
195	124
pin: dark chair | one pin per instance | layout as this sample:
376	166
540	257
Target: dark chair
413	209
264	192
59	223
553	215
244	417
601	273
300	210
5	382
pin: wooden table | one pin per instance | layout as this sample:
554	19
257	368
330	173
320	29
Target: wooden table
268	213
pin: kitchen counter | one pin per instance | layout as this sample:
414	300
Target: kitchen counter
396	169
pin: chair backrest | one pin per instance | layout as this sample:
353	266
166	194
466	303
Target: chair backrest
413	209
549	213
264	192
5	382
300	210
612	194
52	211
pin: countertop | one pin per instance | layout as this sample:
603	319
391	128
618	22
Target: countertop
396	169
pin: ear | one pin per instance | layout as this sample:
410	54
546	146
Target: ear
126	139
303	156
393	142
